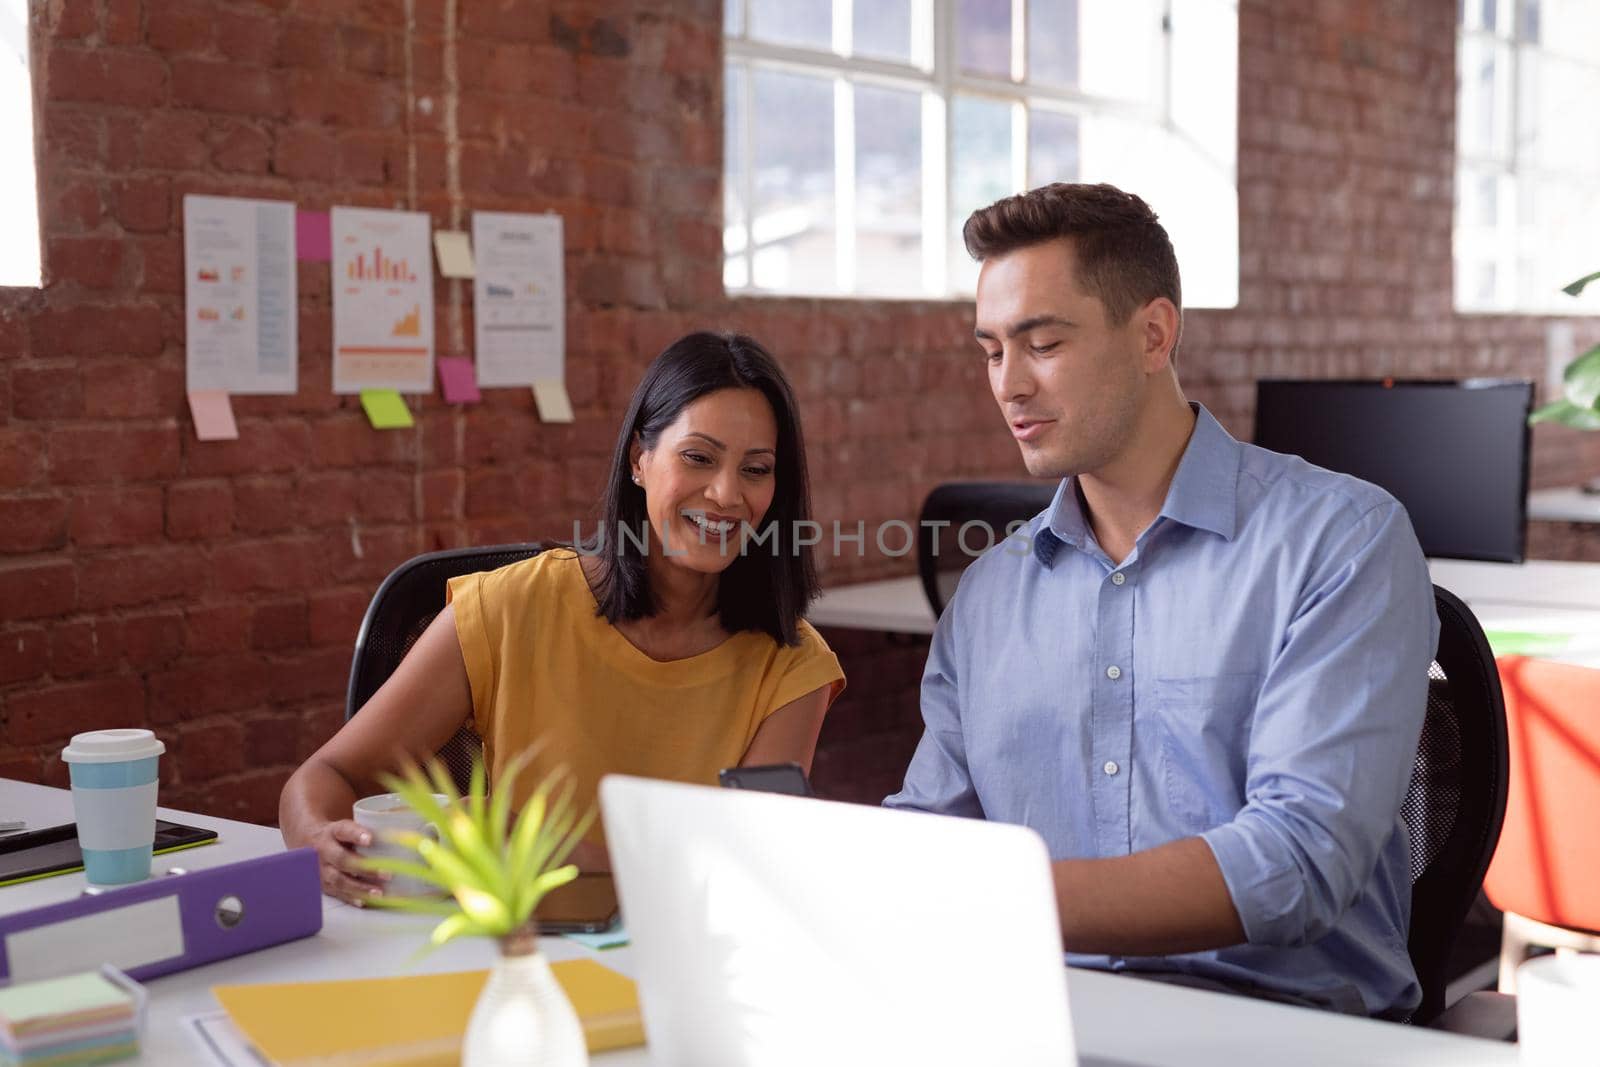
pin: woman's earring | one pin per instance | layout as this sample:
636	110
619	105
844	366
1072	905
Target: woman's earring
636	480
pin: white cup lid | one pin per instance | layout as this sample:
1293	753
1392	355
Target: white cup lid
112	746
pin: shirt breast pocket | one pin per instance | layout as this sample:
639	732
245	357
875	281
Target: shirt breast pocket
1204	729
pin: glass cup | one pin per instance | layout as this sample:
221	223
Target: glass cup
114	780
384	814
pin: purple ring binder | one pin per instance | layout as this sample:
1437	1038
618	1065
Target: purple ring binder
168	923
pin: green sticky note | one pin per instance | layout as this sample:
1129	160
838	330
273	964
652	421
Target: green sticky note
386	410
1524	643
30	1001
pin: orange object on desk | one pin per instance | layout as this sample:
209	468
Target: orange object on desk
1547	865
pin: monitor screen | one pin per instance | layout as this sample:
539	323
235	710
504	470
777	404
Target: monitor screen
1455	453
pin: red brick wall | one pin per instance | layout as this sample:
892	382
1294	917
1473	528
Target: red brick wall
213	590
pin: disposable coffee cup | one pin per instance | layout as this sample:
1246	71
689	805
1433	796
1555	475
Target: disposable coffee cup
385	814
114	780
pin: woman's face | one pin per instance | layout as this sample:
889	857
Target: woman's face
710	478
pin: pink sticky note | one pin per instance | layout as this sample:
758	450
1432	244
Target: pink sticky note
213	415
459	381
313	236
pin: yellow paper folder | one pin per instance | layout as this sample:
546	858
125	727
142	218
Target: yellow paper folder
414	1021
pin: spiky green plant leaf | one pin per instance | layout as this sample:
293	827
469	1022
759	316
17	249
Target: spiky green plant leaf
1581	379
1574	288
495	870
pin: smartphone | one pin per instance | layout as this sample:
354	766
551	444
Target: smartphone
585	905
54	849
785	778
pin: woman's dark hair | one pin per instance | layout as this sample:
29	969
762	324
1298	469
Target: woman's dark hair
770	584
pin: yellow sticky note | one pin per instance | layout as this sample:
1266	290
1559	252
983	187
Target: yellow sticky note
386	409
454	252
213	415
550	396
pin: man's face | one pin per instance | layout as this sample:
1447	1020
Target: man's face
1068	382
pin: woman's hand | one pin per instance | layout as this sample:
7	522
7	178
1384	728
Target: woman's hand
338	862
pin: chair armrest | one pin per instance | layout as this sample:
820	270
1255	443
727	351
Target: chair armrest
1487	1014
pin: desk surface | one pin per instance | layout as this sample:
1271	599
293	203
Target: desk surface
1112	1015
1540	596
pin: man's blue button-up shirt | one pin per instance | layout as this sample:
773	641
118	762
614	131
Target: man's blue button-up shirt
1254	673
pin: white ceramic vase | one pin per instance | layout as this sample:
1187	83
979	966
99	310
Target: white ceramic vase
523	1017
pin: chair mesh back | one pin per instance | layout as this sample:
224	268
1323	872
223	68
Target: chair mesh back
400	611
1456	798
959	520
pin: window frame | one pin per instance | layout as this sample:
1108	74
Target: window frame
934	73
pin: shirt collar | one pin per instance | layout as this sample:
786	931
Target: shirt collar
1203	493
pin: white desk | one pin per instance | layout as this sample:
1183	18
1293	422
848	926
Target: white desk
1118	1020
1540	596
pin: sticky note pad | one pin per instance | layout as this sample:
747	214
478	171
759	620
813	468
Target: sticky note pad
459	380
313	236
386	409
550	396
213	415
454	252
29	1004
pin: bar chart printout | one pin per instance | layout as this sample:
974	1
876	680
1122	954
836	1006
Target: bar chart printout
382	301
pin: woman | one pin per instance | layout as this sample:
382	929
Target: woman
672	647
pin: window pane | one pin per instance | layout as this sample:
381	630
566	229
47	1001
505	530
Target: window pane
793	159
1560	231
1483	119
1121	48
1556	129
1053	42
980	172
733	17
888	191
19	253
735	235
1205	75
1052	148
804	23
983	37
1571	27
882	29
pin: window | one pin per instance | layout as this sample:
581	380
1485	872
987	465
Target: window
1527	219
19	198
862	133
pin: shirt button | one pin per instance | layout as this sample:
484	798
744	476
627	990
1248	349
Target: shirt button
1113	672
1118	578
1110	767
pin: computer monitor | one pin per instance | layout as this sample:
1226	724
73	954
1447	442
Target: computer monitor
1455	453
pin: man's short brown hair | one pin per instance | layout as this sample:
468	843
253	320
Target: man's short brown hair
1125	258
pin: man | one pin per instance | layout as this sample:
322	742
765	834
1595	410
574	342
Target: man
1201	673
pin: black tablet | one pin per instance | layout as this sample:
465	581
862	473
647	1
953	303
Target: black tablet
54	849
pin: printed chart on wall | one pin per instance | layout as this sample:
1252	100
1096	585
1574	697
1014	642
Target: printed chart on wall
519	299
382	301
239	292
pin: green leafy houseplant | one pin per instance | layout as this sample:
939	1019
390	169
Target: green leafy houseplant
1579	405
492	871
495	871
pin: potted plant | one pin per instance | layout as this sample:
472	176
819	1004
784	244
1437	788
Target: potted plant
1579	405
492	872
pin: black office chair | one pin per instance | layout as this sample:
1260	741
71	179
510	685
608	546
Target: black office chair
1456	801
401	609
944	551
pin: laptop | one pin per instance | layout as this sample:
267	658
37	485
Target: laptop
772	930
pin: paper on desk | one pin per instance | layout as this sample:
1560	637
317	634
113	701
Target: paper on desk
615	937
1526	643
224	1045
417	1019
